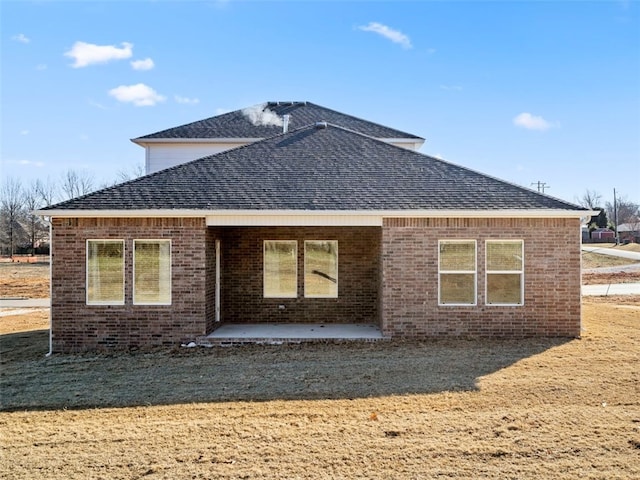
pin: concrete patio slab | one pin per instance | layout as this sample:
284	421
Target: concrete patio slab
290	333
612	289
25	302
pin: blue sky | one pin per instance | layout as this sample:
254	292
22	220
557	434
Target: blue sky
524	91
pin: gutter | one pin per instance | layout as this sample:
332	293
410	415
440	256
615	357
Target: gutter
417	213
50	289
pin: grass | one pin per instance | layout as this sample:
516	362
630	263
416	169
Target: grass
539	408
597	260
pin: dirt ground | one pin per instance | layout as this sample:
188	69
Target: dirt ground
536	408
28	280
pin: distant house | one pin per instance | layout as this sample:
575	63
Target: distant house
629	231
603	235
317	217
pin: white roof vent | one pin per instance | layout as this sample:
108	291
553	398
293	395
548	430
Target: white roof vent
321	125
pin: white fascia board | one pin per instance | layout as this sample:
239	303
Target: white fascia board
310	217
178	141
121	213
413	141
296	219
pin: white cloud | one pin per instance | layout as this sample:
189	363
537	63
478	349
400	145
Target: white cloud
24	132
139	94
532	122
26	163
41	66
146	64
21	37
431	51
86	54
389	33
186	100
220	111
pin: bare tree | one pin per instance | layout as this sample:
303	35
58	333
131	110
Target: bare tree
35	227
133	172
11	210
76	183
627	211
48	191
590	199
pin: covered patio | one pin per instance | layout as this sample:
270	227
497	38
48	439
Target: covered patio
279	333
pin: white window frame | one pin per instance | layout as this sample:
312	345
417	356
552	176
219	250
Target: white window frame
153	240
87	276
264	268
307	295
508	272
462	272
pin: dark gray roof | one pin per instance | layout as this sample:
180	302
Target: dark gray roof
257	122
317	169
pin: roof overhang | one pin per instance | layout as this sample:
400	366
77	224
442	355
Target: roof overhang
310	217
415	143
144	142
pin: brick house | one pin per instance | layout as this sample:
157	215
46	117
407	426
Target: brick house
305	214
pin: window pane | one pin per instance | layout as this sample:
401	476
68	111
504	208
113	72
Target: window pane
105	272
152	272
504	256
458	256
505	288
280	269
457	288
320	268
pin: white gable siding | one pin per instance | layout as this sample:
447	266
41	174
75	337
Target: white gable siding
164	155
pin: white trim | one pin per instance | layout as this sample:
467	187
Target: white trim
459	272
143	142
133	280
124	268
264	268
217	293
488	272
295	220
177	141
50	290
304	269
308	217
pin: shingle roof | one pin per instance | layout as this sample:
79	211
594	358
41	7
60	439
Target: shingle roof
259	121
316	169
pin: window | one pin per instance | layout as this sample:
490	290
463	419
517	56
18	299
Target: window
457	272
504	270
105	272
280	270
152	272
321	268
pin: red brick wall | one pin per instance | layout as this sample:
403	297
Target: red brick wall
242	276
410	279
77	326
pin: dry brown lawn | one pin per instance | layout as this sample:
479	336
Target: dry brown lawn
539	408
28	280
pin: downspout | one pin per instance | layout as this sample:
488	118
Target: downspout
50	289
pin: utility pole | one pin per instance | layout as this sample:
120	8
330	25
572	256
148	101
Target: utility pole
541	186
615	217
